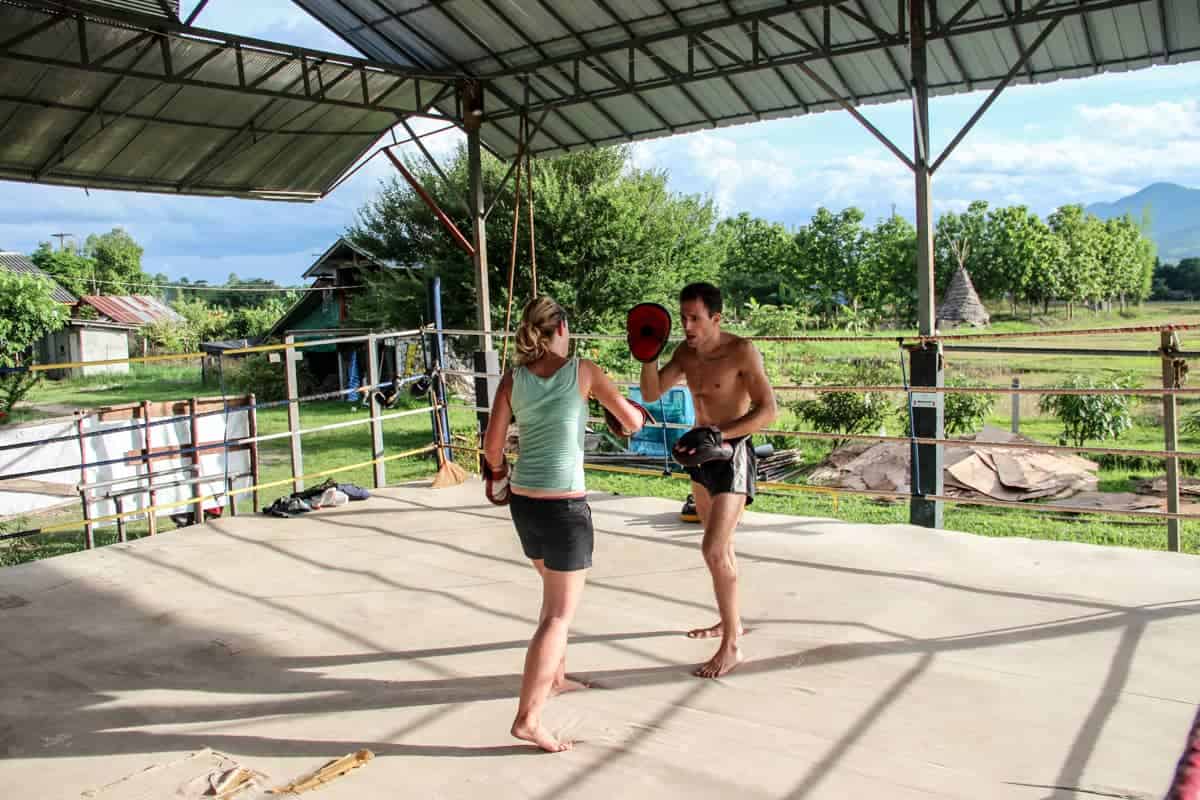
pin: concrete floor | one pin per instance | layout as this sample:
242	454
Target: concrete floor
886	661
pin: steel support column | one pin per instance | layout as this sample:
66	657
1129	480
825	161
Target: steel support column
925	362
473	121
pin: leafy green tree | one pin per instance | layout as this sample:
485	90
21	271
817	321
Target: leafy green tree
109	263
759	263
965	235
829	250
1079	262
1022	253
607	235
889	269
28	312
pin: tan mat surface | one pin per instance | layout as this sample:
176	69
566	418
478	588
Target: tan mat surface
886	661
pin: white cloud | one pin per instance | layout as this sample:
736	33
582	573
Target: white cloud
1163	120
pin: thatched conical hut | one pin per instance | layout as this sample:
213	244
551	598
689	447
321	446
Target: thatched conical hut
962	305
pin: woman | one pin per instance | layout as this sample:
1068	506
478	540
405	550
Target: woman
548	394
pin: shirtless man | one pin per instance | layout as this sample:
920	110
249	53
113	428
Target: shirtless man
730	388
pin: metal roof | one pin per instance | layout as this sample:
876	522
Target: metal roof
608	71
323	267
137	309
102	97
20	264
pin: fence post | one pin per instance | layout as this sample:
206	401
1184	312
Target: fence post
293	393
148	459
1173	371
376	410
439	385
197	489
89	532
1016	406
252	428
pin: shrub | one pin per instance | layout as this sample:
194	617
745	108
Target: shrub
1095	417
255	374
852	412
962	413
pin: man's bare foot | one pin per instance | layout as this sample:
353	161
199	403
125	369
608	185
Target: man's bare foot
715	632
722	663
564	685
539	736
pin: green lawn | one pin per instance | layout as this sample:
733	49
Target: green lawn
807	362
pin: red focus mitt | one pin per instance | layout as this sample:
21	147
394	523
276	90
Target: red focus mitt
647	329
496	483
615	426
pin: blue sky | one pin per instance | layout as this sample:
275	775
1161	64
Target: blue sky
1071	141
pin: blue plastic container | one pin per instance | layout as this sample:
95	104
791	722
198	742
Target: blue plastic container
675	407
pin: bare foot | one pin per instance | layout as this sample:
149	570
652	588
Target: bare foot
539	736
722	663
564	685
715	632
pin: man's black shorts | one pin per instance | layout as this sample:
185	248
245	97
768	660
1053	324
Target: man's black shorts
558	531
735	476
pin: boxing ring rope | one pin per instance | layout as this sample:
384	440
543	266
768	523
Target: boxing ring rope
906	341
230	492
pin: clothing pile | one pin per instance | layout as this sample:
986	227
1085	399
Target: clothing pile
327	495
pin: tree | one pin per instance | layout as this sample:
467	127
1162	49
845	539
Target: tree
759	262
1022	254
829	253
1079	262
28	312
889	261
607	235
109	263
965	234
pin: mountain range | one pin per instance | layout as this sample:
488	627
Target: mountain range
1173	212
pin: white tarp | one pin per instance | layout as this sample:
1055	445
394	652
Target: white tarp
126	439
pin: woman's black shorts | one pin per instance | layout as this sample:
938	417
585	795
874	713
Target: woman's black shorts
558	531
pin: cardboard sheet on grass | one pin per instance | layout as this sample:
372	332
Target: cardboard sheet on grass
969	471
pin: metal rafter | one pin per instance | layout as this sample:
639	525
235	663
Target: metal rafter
1087	37
58	154
958	64
466	29
665	65
832	65
525	37
1042	13
218	44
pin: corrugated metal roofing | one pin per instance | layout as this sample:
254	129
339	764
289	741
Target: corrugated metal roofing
144	6
609	71
322	268
106	98
20	264
138	309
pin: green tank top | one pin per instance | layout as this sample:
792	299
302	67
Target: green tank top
552	416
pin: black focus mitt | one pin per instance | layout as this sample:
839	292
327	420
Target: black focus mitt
615	426
699	446
647	328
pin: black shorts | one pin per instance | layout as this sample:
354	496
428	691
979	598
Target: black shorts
558	531
736	476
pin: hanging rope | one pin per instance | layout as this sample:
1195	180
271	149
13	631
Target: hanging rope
529	188
512	261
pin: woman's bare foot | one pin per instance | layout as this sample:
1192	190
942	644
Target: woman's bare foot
715	632
564	685
534	732
722	663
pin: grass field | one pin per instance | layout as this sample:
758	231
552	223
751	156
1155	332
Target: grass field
800	362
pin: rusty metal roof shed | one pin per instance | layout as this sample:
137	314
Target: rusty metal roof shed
138	309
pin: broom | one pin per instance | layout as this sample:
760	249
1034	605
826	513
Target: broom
449	473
